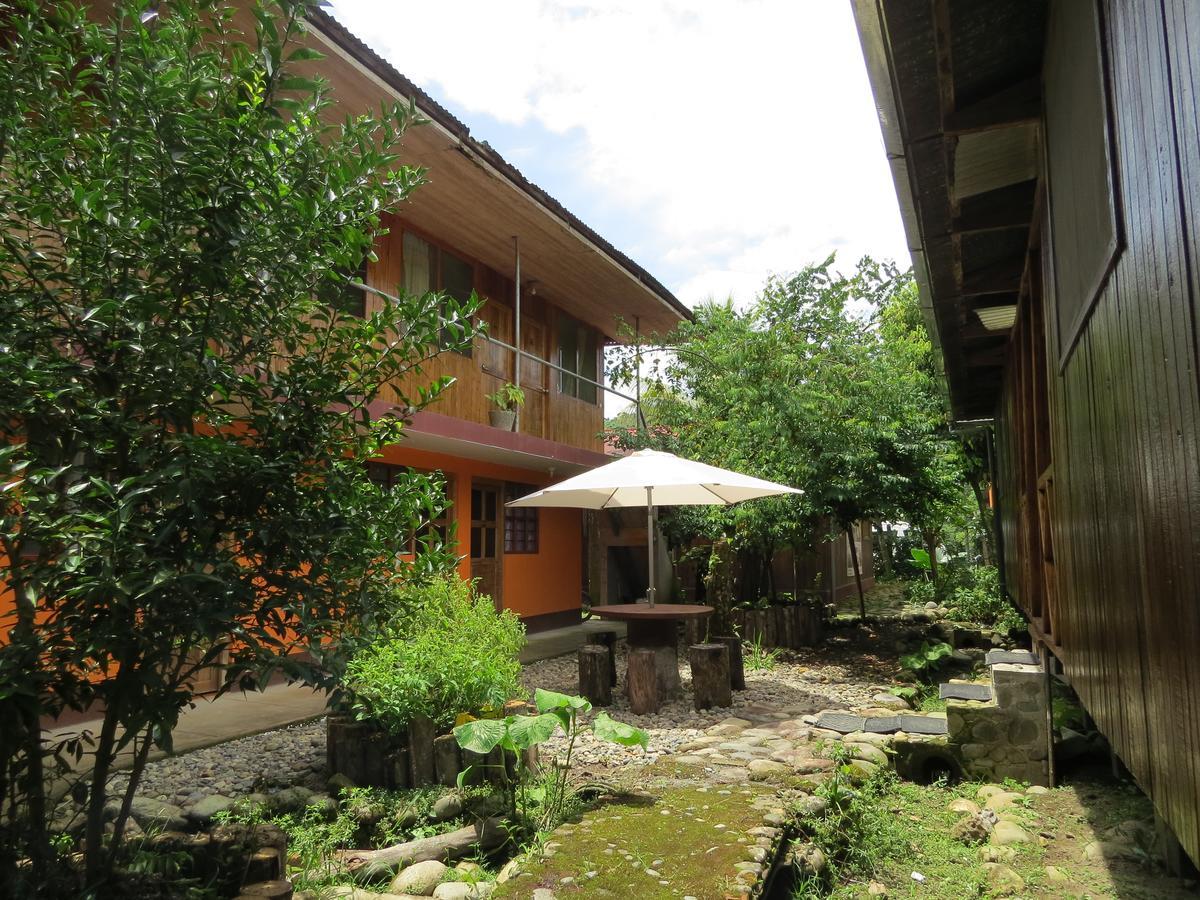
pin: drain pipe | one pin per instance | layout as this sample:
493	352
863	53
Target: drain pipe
517	325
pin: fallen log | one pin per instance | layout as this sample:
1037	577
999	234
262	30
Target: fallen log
367	865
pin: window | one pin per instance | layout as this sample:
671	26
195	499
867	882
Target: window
578	353
428	267
1084	221
520	523
343	297
388	475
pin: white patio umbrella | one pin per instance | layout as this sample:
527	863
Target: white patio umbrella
649	478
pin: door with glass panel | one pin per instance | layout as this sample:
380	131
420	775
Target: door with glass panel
487	538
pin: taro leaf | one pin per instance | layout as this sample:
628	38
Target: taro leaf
527	731
481	736
921	559
548	701
607	729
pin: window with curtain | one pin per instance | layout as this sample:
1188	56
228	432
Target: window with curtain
428	267
578	353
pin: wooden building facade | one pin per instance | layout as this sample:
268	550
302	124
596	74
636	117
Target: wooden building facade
1047	160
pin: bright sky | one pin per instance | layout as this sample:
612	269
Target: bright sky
714	141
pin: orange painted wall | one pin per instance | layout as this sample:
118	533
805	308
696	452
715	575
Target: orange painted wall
534	584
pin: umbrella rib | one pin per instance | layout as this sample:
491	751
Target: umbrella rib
718	496
604	505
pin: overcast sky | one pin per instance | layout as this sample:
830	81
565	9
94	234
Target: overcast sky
714	141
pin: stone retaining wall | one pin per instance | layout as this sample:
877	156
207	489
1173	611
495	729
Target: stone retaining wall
1005	737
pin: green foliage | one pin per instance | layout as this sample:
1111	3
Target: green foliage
920	559
509	397
977	599
826	383
925	664
920	592
447	652
757	658
539	801
184	420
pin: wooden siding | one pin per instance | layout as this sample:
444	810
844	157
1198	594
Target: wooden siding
1124	419
548	413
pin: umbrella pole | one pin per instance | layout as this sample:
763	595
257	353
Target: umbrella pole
650	542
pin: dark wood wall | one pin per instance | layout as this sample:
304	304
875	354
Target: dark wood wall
1123	408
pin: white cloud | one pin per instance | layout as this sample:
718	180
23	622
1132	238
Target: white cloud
738	138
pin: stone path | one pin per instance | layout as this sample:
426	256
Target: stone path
707	822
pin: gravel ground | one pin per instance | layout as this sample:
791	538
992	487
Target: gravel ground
841	673
807	682
261	762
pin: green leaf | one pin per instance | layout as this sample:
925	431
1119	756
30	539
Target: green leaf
609	729
527	731
481	736
551	700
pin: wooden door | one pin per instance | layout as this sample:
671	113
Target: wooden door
487	538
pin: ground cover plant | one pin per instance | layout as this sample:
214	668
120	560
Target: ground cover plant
184	398
448	651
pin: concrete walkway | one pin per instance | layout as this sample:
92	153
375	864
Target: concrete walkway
236	715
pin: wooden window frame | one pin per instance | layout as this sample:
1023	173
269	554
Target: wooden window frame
573	376
442	523
1067	334
522	526
437	276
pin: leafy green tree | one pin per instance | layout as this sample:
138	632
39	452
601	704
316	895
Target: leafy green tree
184	418
813	385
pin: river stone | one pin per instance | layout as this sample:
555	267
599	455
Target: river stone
156	814
202	812
963	806
764	769
462	890
420	878
970	830
1005	833
1004	879
1002	800
447	806
869	753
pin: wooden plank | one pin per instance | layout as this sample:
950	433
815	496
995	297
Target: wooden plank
1012	104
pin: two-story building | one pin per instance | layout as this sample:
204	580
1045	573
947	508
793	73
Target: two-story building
553	287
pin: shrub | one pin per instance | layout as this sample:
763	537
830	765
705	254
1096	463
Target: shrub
449	651
977	598
919	592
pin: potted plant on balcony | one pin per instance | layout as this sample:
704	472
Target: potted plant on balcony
508	400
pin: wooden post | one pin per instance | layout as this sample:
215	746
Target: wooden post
420	751
593	674
607	639
737	670
266	864
641	679
400	772
446	761
710	675
374	749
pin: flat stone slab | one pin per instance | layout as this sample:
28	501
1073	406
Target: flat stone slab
882	724
1020	657
965	692
923	724
841	722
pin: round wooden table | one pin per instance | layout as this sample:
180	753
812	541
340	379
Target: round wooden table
655	627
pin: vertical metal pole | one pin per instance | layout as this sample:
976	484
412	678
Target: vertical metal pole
650	540
517	324
637	379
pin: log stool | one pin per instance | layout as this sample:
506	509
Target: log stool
710	675
641	680
737	670
607	639
595	682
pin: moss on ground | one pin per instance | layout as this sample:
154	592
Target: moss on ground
695	832
909	831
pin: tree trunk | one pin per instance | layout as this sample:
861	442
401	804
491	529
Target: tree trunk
641	680
710	675
862	599
594	683
930	539
985	534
